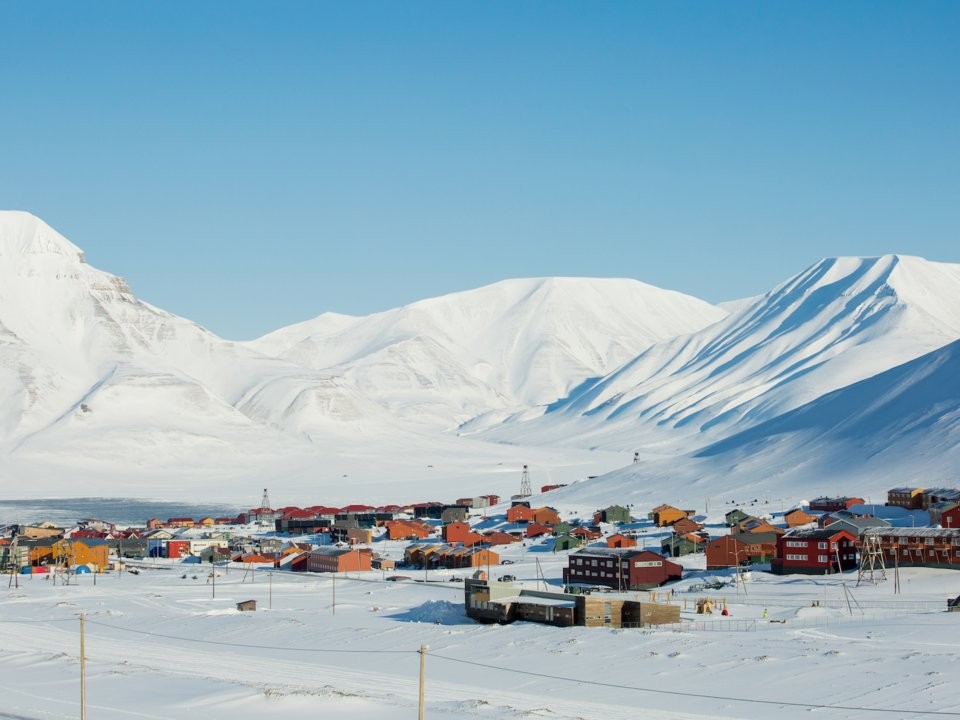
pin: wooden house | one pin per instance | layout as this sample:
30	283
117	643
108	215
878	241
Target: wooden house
679	545
520	514
734	517
499	538
760	547
407	530
89	551
546	516
585	534
950	518
686	525
797	517
535	530
621	541
666	515
566	541
816	551
615	514
725	552
456	532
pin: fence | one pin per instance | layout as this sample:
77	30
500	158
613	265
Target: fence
760	625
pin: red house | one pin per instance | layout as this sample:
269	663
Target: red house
499	538
177	548
621	569
535	530
725	552
455	532
817	551
950	519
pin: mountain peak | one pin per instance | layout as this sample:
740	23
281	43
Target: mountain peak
25	235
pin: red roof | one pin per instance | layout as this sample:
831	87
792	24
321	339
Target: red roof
358	508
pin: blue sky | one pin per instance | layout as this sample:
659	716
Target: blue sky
250	164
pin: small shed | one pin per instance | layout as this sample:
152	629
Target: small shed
247	605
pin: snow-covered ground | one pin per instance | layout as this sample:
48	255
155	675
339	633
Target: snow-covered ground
160	645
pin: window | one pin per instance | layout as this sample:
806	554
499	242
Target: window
822	545
796	543
796	557
928	541
823	558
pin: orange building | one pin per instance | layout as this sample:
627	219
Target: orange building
89	551
797	517
546	516
520	514
665	515
621	541
406	530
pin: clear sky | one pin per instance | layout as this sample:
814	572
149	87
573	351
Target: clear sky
253	164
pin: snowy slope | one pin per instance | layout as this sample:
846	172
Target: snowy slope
89	370
511	345
900	427
841	321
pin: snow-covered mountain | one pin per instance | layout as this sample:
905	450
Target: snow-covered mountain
844	368
901	426
841	321
509	346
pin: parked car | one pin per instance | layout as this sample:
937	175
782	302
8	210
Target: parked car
508	578
506	562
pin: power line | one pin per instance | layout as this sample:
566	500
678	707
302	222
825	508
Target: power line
704	696
249	645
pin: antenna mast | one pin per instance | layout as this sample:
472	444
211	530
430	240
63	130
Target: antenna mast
525	483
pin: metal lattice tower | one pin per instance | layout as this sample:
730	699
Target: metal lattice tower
636	457
265	502
871	560
525	490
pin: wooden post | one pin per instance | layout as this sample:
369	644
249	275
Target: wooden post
83	671
334	605
271	591
423	658
214	573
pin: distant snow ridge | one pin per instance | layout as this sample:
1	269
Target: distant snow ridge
506	346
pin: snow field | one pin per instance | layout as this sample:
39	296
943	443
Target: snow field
160	646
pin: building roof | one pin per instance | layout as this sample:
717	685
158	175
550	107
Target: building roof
913	532
813	533
757	538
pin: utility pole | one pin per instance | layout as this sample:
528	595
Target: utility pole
271	590
423	659
334	605
213	572
83	671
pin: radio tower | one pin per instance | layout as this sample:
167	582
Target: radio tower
265	502
525	490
